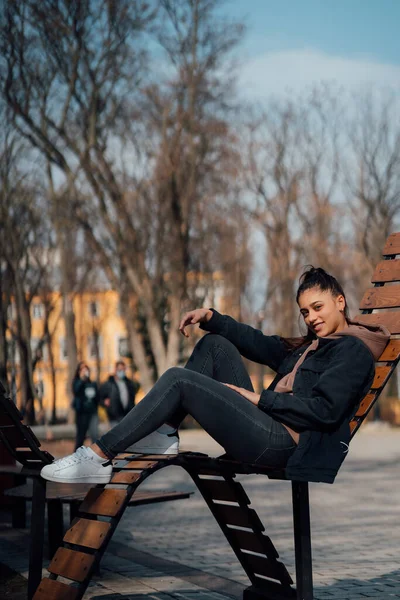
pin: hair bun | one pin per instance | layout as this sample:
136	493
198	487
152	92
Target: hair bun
311	273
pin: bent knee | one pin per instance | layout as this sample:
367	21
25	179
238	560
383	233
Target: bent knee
214	339
173	373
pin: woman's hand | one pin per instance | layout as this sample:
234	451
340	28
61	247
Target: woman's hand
199	315
251	396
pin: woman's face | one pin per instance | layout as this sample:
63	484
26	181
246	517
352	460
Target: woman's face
322	312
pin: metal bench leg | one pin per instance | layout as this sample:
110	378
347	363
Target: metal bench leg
19	513
55	525
302	540
37	535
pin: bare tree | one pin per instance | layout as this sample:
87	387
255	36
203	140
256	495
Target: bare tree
73	75
24	238
273	170
373	175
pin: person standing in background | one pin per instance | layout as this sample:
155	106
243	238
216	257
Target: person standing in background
117	394
85	403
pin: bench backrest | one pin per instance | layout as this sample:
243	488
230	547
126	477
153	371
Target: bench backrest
17	438
381	305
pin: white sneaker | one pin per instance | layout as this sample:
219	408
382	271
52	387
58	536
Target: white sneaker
83	466
156	443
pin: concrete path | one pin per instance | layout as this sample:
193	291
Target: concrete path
173	550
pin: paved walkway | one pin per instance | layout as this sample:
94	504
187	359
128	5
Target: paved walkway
173	550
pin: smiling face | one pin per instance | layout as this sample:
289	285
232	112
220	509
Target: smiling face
322	312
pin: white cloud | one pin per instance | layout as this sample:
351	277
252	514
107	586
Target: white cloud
294	70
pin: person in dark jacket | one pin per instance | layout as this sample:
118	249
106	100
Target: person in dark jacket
300	424
117	394
85	402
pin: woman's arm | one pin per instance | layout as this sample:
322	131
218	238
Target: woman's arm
339	389
252	343
77	385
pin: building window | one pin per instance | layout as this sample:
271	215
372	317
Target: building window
37	310
94	308
95	346
63	349
123	350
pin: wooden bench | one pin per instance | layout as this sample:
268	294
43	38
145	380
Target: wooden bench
98	516
21	443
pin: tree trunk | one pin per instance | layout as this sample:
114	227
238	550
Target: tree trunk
3	329
137	349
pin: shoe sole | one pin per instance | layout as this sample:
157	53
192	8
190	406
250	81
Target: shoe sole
81	480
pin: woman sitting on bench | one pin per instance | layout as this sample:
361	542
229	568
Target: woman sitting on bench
300	423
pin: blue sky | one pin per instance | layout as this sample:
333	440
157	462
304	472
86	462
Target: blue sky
295	43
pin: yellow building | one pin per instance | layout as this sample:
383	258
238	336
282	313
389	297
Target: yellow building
100	336
101	339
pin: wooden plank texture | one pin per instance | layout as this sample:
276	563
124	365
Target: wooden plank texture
386	270
386	296
139	464
127	477
51	589
391	352
71	564
390	320
365	404
87	533
381	376
105	502
392	245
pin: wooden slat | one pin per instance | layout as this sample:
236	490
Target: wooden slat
51	589
386	270
392	245
274	590
7	406
222	490
248	540
391	352
365	404
127	477
139	464
387	296
71	564
390	320
381	375
15	437
5	419
105	502
263	566
87	533
235	515
353	425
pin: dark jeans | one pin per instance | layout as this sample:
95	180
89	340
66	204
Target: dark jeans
85	423
246	433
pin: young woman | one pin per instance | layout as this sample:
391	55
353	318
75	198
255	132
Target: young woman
85	402
300	423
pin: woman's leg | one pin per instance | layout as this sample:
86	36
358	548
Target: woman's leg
82	424
219	359
93	428
239	426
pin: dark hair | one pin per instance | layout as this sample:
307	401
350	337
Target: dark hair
316	277
120	362
79	367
